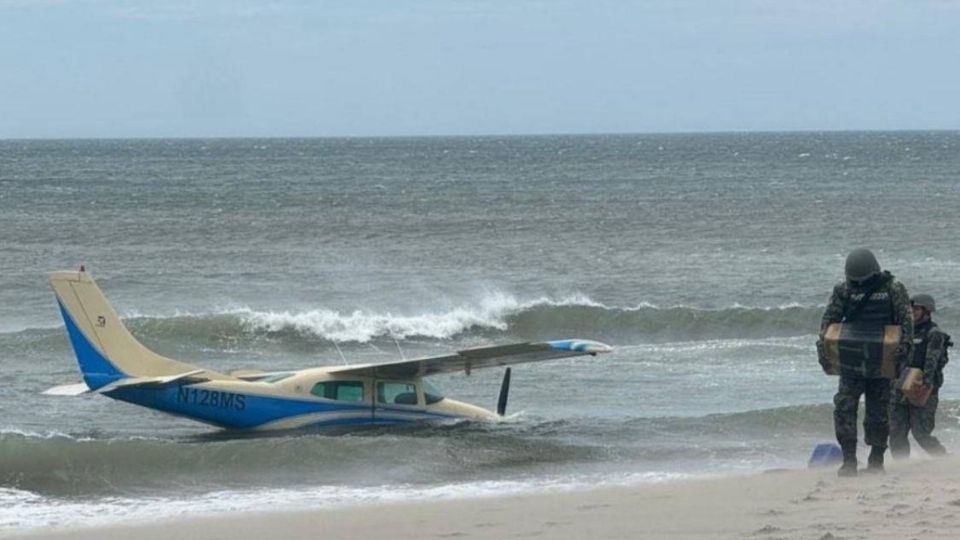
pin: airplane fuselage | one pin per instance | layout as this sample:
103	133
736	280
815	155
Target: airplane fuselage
305	399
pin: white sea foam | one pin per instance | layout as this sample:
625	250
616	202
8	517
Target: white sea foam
798	343
362	326
490	313
23	511
53	434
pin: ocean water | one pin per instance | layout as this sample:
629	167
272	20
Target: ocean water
706	260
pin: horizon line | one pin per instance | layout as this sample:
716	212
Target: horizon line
484	135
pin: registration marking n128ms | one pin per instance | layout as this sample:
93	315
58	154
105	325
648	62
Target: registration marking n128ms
211	398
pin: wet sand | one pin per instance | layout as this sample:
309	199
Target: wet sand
916	499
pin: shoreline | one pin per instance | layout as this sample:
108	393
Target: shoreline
920	497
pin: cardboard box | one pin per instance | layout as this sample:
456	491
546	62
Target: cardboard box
866	350
911	384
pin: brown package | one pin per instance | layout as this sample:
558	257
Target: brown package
891	340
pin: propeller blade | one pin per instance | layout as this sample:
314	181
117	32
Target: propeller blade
504	392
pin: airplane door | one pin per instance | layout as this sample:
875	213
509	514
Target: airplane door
349	400
396	401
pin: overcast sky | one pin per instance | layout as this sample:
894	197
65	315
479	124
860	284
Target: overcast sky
153	68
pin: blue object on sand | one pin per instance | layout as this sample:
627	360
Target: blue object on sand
825	454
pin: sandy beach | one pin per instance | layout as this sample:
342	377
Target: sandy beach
917	499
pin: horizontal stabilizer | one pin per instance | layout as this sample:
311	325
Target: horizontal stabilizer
189	377
67	390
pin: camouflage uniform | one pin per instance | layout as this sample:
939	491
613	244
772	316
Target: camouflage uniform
875	388
930	355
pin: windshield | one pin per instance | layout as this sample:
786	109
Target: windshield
431	394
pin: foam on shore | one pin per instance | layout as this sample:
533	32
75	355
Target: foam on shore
918	498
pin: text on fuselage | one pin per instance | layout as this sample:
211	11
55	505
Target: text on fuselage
211	398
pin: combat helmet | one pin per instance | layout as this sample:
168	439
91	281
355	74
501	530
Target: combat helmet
925	301
861	265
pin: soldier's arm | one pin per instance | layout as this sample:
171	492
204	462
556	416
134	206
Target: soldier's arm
936	348
903	316
834	311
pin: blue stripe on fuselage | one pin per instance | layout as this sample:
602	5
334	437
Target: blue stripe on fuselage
236	410
96	369
227	409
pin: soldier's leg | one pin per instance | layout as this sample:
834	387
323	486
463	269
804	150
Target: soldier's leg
923	422
846	401
876	421
899	427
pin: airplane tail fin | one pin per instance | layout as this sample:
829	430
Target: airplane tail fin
105	349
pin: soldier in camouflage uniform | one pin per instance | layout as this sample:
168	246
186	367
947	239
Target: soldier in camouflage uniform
874	298
929	354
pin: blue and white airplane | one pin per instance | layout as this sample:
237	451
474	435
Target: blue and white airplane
113	363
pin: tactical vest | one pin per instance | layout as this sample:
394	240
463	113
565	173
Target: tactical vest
921	338
920	334
878	311
862	338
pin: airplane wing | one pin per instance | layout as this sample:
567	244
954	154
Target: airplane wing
482	357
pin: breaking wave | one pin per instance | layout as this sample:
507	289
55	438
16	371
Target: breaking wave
497	316
498	313
504	315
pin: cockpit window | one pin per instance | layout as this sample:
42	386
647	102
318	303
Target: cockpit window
339	390
431	394
276	377
397	393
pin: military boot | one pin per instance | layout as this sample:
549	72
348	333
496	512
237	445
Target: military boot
875	461
849	467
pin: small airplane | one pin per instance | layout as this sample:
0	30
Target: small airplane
113	363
